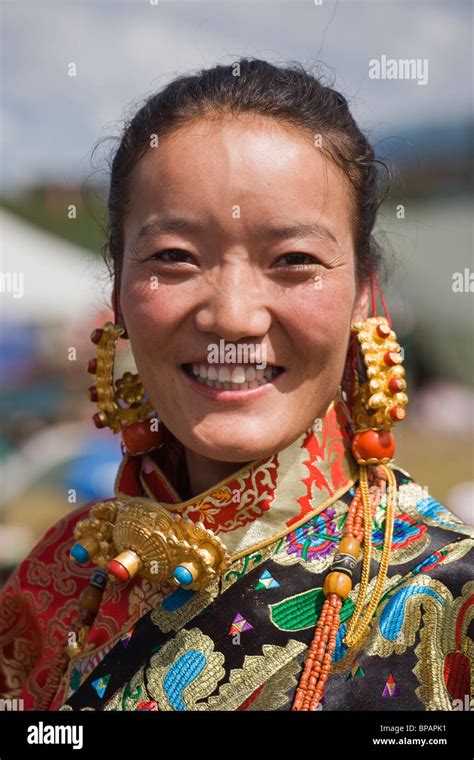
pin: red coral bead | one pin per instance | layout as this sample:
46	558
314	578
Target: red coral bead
96	335
391	358
92	366
383	331
138	438
396	384
118	570
99	420
93	395
373	444
397	413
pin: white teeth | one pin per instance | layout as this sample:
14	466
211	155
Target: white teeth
238	375
232	378
224	375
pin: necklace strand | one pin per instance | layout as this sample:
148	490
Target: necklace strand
357	532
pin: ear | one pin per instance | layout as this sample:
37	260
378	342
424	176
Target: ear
361	308
118	316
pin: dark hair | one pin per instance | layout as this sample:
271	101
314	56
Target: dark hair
289	94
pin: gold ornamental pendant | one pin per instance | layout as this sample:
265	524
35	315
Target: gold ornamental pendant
138	536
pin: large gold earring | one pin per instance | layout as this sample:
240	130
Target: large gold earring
122	406
379	385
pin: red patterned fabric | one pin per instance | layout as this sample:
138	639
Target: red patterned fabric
39	606
39	603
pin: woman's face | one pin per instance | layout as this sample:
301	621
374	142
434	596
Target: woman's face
239	234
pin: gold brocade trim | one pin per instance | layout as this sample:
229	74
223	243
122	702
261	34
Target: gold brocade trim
255	672
434	593
430	666
437	640
175	653
276	669
276	690
176	619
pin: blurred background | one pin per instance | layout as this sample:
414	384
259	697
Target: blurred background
55	288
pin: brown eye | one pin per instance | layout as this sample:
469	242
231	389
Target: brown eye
296	259
171	256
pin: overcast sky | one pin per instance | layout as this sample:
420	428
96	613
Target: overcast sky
126	49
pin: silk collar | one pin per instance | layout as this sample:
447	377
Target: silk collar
265	499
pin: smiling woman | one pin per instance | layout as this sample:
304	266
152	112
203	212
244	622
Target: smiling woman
262	550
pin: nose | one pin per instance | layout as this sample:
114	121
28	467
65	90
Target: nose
235	305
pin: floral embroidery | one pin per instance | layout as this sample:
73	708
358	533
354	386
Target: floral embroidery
147	706
313	539
409	538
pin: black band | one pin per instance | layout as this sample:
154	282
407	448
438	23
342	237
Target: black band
344	563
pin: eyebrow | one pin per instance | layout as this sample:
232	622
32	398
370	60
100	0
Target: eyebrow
298	229
166	224
280	232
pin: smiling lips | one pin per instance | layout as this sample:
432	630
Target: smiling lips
232	377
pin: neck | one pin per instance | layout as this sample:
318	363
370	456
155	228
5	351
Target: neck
204	473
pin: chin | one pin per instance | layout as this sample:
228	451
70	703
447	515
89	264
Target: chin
240	447
238	454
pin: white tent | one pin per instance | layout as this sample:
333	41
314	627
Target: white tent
44	279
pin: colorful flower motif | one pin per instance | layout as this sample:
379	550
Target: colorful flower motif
430	562
150	706
410	538
309	542
405	531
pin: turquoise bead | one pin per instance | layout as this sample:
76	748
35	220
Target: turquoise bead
182	576
80	554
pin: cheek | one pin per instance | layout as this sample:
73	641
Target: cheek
151	310
318	320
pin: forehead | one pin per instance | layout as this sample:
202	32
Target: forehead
265	167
